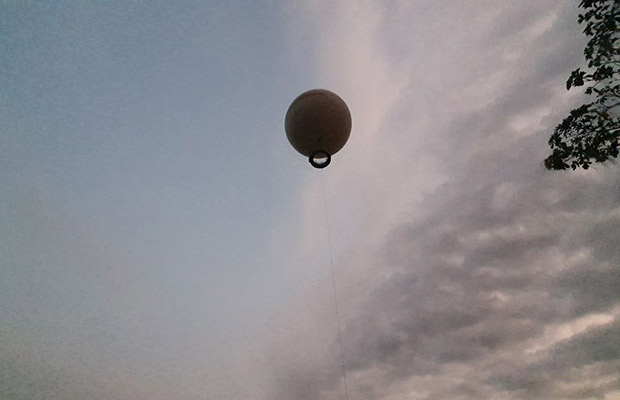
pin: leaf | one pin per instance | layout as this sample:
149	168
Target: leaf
591	132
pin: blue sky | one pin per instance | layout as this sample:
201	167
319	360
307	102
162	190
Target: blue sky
147	126
159	238
141	172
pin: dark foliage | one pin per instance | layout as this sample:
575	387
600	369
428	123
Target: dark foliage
591	132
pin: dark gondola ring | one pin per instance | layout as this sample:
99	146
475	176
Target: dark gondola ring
320	154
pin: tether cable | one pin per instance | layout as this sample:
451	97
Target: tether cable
331	259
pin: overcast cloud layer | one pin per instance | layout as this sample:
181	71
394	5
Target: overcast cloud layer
501	281
165	242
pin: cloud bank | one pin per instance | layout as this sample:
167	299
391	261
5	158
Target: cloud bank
471	272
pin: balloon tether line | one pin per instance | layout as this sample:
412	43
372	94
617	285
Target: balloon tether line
331	259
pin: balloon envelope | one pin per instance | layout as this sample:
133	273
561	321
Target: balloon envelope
318	120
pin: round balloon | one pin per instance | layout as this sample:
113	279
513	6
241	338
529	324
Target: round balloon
318	124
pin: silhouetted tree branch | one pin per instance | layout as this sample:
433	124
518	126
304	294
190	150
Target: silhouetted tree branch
591	132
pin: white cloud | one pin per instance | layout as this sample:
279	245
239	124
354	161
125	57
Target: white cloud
466	271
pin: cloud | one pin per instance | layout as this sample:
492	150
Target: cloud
501	280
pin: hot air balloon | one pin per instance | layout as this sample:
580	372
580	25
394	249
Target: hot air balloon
318	124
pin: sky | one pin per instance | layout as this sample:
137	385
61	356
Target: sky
159	237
